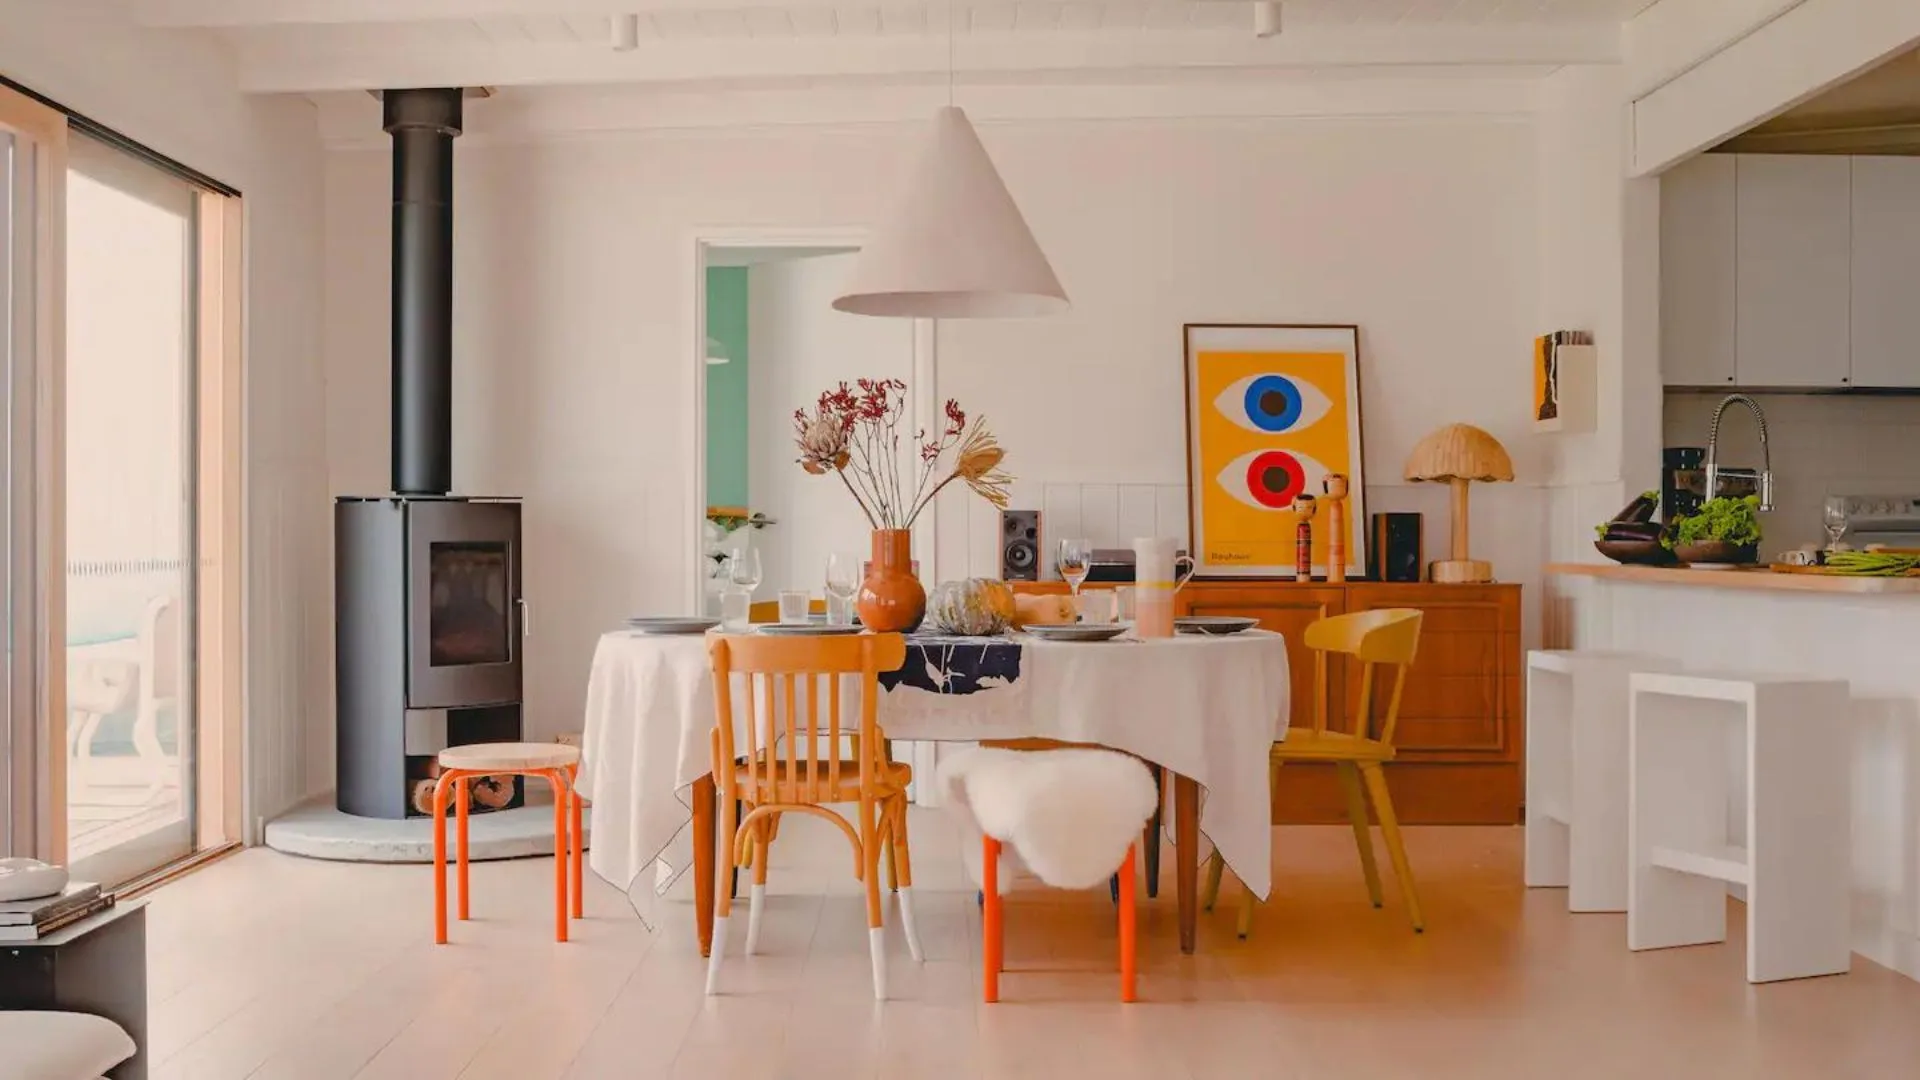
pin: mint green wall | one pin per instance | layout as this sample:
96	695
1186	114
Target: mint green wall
727	387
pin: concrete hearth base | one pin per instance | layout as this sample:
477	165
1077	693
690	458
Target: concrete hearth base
316	830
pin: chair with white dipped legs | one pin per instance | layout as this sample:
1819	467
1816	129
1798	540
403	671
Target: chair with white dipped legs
791	761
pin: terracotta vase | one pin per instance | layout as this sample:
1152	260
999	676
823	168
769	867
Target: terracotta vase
891	598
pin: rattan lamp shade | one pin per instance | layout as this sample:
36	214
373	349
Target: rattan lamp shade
1459	454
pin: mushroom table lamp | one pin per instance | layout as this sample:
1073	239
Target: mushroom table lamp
1459	454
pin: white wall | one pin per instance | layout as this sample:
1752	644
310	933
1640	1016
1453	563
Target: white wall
573	297
1599	271
176	93
801	346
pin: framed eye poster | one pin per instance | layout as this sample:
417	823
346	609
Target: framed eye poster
1271	411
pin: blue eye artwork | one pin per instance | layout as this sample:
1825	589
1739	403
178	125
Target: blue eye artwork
1272	404
1270	479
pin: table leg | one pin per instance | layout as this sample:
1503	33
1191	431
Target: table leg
1186	857
703	853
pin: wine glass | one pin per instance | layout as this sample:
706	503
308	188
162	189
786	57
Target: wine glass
1834	517
1072	561
843	578
743	569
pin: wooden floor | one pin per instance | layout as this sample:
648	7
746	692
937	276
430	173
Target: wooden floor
265	965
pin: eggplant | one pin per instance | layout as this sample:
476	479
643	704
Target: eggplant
1632	530
1641	509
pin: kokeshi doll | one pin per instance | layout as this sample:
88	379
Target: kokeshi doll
1336	500
1303	508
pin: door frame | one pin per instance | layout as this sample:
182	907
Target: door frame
922	393
36	790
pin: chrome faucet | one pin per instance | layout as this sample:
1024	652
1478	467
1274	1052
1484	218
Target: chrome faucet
1763	480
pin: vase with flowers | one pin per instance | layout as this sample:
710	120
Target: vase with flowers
854	432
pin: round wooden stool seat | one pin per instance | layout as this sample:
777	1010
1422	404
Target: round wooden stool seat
510	756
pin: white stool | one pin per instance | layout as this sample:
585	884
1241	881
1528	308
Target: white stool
1577	773
1796	864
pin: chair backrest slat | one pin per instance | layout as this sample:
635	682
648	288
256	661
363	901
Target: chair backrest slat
813	738
1385	636
792	791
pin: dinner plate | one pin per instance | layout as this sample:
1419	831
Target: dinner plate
1214	624
1077	631
671	624
806	630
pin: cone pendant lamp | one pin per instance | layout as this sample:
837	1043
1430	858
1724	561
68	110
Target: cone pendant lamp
956	246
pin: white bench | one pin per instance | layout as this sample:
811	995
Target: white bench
1796	862
1577	773
60	1046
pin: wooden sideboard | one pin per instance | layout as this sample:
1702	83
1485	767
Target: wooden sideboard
1461	721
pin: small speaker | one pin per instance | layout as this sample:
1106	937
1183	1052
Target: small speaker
1020	545
1395	548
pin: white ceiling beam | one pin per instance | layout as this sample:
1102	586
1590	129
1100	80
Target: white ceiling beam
236	14
283	64
1675	36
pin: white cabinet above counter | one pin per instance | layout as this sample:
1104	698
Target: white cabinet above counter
1791	272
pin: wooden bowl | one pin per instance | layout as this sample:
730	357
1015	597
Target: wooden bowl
1635	552
1717	553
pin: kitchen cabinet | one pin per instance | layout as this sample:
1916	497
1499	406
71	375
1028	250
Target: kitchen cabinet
1792	267
1697	272
1886	272
1461	720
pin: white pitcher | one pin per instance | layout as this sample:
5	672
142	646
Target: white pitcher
1156	577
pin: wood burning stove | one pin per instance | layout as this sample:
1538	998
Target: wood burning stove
428	613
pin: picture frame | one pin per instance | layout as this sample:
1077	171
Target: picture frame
1271	410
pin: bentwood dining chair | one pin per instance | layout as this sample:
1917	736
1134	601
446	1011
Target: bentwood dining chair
792	762
1387	637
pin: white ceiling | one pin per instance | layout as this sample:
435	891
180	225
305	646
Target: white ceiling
307	46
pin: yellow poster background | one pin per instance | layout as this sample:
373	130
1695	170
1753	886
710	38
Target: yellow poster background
1235	532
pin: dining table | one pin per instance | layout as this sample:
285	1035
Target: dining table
1203	708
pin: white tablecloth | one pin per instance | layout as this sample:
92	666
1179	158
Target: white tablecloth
1204	707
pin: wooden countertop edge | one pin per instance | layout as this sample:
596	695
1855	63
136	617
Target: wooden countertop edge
1760	580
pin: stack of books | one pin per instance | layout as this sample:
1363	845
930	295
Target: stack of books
30	920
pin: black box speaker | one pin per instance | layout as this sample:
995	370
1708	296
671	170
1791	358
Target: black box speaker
1020	545
1395	548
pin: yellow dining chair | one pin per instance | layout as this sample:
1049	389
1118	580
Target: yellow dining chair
1389	636
792	763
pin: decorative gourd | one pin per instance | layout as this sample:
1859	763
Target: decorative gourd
1029	610
975	607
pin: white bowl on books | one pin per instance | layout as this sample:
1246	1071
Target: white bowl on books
29	879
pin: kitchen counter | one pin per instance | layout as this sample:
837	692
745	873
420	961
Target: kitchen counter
1862	630
1760	579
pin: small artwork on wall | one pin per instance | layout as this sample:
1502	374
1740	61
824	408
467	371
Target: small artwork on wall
1271	412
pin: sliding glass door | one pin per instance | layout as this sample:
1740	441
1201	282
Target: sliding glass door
130	497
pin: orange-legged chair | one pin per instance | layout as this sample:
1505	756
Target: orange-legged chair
559	765
993	928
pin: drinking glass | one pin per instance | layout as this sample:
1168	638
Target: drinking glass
843	579
736	610
743	569
1072	562
793	606
1834	517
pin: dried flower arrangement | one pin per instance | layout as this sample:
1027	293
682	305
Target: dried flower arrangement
854	433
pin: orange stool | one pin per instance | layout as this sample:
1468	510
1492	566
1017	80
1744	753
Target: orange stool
559	765
993	929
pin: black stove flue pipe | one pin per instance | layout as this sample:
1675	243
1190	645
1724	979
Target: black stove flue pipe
423	124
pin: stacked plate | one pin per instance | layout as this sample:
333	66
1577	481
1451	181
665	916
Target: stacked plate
671	624
806	629
1214	624
1077	631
